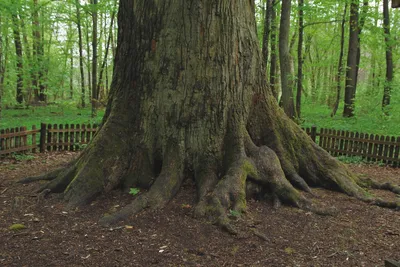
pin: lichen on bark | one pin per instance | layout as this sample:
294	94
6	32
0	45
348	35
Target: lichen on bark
188	96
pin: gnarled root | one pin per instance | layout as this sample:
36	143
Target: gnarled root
46	176
161	191
370	183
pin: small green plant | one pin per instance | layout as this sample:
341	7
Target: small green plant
134	191
352	159
23	157
80	146
16	227
234	213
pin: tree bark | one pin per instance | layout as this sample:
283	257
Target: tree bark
189	99
389	60
340	64
287	78
351	72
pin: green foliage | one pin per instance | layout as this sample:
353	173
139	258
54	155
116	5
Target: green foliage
23	157
352	159
369	116
134	191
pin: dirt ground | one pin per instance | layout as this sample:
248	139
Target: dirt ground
359	235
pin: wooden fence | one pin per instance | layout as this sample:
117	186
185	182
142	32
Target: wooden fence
72	136
370	147
48	138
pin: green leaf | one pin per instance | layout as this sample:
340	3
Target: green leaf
134	191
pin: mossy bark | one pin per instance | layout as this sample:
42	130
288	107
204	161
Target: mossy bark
189	96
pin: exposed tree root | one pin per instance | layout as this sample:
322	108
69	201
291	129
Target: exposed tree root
165	187
46	176
250	171
370	183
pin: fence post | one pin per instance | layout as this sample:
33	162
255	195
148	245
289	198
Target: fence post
42	137
313	133
33	139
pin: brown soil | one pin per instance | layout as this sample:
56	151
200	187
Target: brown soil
359	235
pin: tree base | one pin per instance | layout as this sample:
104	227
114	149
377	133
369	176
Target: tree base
252	172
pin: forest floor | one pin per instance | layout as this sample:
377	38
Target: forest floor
359	235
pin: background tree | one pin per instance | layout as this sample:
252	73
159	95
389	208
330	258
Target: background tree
300	58
80	45
340	63
274	58
2	65
38	54
352	55
94	59
18	51
287	77
389	60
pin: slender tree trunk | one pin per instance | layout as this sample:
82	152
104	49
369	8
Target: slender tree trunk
340	64
88	56
2	66
287	79
351	72
267	30
38	54
389	60
105	54
18	52
362	18
94	59
71	75
28	74
80	43
274	58
300	59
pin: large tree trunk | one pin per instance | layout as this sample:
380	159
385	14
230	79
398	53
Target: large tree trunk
189	99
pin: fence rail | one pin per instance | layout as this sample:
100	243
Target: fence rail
371	147
50	137
71	137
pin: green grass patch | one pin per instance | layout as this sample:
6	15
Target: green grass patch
52	114
369	118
